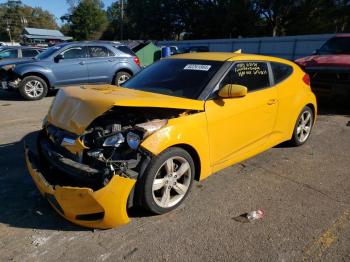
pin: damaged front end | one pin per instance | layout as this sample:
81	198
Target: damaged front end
88	178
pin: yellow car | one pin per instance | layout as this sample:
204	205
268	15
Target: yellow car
104	148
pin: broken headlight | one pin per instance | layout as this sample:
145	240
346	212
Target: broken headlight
114	140
133	140
152	126
8	67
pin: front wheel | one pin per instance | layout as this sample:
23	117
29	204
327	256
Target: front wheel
303	126
167	181
33	88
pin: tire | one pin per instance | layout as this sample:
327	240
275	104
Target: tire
303	127
157	185
33	88
121	77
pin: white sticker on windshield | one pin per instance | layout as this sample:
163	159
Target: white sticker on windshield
197	67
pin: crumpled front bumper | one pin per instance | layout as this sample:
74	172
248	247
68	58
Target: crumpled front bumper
104	208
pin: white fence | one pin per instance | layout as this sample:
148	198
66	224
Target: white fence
289	47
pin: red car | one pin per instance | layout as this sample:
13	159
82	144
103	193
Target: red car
330	65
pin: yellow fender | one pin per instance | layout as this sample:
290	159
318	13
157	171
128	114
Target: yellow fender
72	203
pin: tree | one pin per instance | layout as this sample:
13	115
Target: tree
15	16
87	20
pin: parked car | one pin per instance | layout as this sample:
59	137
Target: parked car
182	118
18	52
13	54
72	63
329	66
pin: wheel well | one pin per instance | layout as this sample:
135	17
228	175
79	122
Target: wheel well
123	70
38	75
313	109
195	157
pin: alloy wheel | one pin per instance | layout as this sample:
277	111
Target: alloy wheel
304	126
34	88
171	182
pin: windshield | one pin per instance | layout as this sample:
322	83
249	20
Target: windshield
48	52
336	45
175	77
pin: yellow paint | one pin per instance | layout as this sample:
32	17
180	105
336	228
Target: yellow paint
222	132
111	199
75	108
76	148
316	249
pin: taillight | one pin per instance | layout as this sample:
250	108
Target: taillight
306	79
137	60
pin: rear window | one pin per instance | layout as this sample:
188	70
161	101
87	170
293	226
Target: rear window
336	45
281	71
175	77
125	50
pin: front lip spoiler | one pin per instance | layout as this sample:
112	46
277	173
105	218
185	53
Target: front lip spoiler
103	209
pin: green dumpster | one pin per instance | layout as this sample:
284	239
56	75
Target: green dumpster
148	54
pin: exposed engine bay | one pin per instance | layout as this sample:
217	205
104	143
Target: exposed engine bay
111	145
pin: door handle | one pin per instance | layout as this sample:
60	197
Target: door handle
82	63
272	101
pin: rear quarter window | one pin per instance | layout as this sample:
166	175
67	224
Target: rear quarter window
125	50
281	71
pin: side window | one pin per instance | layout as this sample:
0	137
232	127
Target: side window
29	52
12	53
253	75
73	53
281	71
99	51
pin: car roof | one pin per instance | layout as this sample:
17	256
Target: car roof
101	42
222	56
21	47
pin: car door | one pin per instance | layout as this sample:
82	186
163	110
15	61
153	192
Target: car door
238	126
100	64
71	67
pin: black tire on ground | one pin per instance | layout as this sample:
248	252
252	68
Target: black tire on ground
37	85
296	141
121	76
146	181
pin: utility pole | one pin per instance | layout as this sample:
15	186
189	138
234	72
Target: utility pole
121	18
8	29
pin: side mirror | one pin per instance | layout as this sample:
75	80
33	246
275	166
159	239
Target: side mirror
58	58
231	91
315	52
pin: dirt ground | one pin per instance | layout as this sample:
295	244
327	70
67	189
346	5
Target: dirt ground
304	191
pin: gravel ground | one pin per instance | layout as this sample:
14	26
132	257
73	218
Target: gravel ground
304	192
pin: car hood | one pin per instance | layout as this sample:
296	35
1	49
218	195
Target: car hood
74	108
16	61
325	60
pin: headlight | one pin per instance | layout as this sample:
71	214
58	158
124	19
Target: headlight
114	141
152	126
133	140
8	67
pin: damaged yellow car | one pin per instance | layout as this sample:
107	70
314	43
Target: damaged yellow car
104	148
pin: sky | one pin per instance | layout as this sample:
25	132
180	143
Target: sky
56	7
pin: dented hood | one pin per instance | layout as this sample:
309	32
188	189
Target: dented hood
74	108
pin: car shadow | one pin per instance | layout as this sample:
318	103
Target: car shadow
22	205
333	105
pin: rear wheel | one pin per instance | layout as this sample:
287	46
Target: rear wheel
33	88
167	181
121	77
303	127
